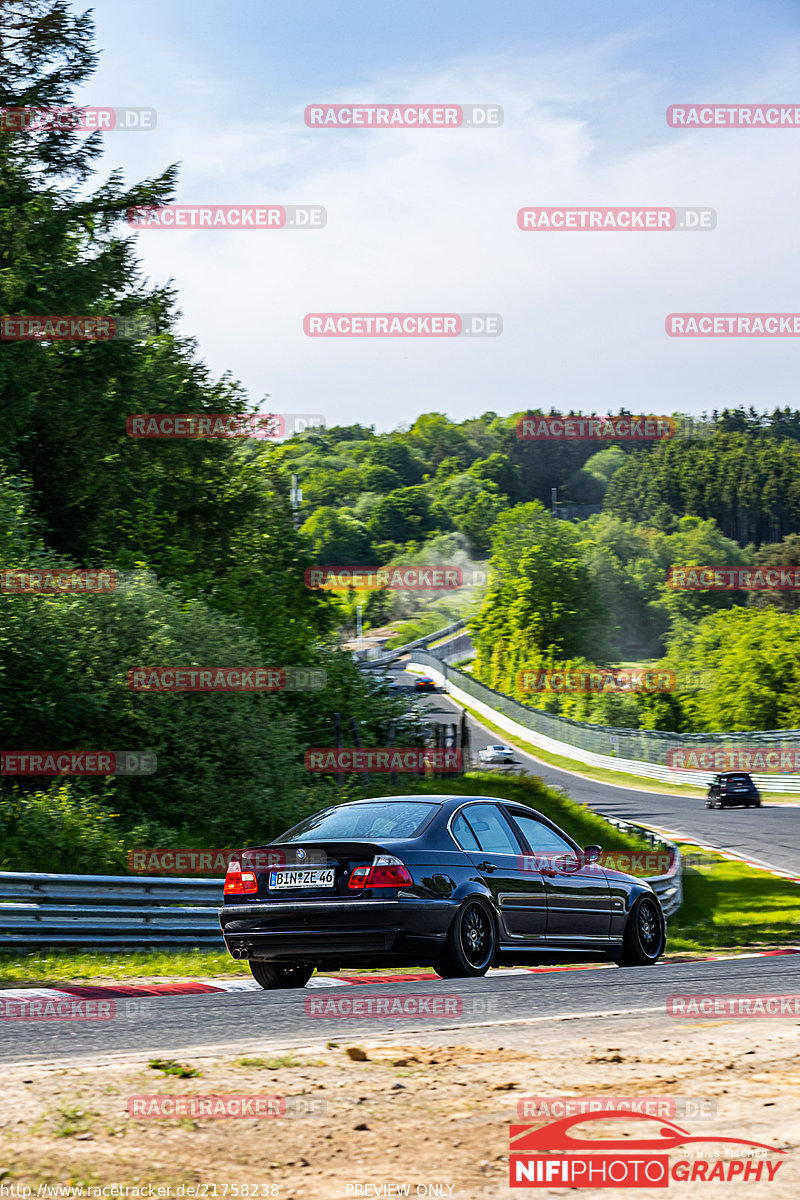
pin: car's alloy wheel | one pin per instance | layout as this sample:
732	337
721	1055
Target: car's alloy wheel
471	942
271	976
644	937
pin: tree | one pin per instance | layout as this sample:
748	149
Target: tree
402	516
541	598
336	538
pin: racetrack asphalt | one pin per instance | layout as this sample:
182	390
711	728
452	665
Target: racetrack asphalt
239	1022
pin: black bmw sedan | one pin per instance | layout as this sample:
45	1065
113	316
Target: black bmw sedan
460	884
733	788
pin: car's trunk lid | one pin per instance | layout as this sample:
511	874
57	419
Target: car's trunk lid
309	870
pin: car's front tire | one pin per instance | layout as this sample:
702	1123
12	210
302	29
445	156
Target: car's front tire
471	942
272	976
645	934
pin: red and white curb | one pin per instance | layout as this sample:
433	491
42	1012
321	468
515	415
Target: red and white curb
208	987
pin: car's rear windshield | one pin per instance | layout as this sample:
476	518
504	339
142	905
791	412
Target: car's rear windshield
736	778
364	822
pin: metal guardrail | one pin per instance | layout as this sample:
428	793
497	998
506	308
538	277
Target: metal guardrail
455	649
391	656
107	911
669	886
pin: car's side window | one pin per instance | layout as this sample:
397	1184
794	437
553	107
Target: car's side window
541	838
463	834
493	832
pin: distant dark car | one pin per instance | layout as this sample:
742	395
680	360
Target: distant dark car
425	684
731	789
460	884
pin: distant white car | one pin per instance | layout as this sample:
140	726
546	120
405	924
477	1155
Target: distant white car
496	754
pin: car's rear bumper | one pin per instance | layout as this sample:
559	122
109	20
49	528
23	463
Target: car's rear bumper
332	930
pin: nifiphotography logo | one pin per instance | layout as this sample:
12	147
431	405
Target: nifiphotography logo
548	1156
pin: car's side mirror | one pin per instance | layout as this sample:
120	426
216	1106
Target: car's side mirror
592	853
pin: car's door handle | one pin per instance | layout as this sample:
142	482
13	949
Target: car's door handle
486	866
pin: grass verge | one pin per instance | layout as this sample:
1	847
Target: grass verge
728	905
47	967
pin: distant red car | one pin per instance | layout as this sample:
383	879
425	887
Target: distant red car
425	684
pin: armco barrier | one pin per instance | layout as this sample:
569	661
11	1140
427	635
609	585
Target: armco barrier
669	886
641	752
391	656
107	911
123	912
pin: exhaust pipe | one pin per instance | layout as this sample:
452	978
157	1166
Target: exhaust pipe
241	952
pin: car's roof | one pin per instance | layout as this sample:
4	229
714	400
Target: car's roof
447	800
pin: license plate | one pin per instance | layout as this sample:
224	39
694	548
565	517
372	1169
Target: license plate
302	879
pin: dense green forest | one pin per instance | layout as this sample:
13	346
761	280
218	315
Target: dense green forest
205	526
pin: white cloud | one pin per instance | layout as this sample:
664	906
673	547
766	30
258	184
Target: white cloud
426	221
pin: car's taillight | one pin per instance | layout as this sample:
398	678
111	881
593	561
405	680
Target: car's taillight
238	882
385	871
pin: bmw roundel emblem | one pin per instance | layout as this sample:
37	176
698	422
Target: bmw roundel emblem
300	855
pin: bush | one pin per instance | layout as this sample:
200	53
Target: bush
58	829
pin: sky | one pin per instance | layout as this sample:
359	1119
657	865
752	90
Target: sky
425	220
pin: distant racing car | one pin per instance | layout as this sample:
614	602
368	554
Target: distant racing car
496	754
425	684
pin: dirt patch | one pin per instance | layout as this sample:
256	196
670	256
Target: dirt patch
426	1115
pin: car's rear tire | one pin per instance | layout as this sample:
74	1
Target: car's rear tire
645	934
271	976
471	943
